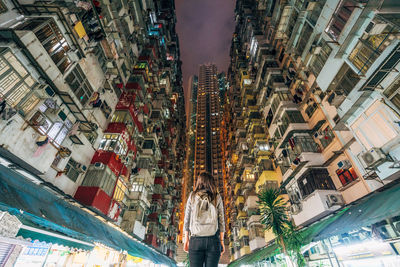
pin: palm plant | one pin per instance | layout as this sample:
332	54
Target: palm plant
273	210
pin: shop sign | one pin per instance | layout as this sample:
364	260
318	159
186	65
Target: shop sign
9	225
33	255
363	250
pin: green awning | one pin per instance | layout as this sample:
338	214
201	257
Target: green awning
375	207
308	234
54	238
257	256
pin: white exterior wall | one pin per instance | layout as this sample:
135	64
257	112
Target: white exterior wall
20	139
256	243
314	206
10	17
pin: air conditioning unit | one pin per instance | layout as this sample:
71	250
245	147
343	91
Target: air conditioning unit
336	98
81	168
295	209
99	166
334	200
344	164
372	157
43	91
295	199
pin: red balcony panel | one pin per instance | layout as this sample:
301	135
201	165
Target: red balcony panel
115	127
156	196
108	158
114	211
151	240
133	86
146	109
153	47
146	58
126	100
170	253
153	216
159	180
94	197
139	124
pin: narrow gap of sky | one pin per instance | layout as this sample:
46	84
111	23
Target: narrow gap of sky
205	29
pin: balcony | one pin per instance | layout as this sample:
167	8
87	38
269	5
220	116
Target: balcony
142	196
243	232
237	188
256	233
267	179
241	215
244	250
239	201
315	206
251	203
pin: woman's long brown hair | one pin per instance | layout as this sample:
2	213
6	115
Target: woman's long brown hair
206	182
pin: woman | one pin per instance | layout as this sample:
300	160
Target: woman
204	224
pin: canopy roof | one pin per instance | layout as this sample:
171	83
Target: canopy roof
375	207
44	209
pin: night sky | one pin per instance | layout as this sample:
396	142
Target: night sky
205	29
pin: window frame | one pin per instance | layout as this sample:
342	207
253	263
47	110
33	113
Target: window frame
66	126
61	44
71	167
345	180
315	179
80	79
28	100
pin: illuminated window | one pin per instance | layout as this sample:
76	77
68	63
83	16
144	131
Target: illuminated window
367	50
52	39
115	143
120	190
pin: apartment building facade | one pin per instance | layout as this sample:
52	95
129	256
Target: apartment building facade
207	146
92	104
313	90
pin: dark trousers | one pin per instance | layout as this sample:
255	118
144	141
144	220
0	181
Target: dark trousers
204	251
